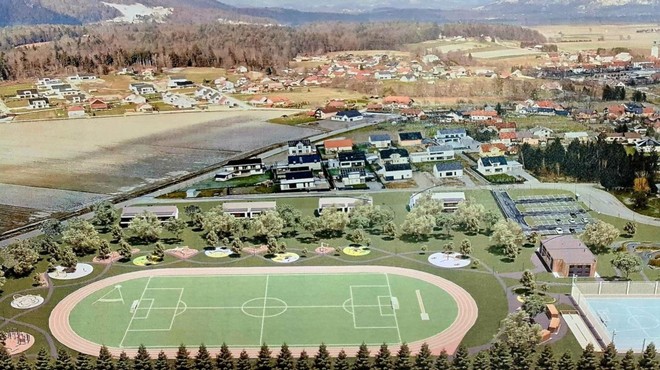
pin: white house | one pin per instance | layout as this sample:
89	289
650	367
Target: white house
27	93
448	169
433	154
248	209
341	203
492	165
179	101
76	112
241	168
301	147
449	135
135	99
449	201
353	176
179	82
38	103
394	156
348	116
298	180
380	140
542	132
399	171
142	88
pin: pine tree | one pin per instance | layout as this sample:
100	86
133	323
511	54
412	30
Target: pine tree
104	360
161	362
588	359
124	362
442	362
203	359
402	361
284	360
566	362
43	361
82	362
461	359
64	361
5	360
243	362
182	359
23	363
628	361
648	360
224	360
362	361
609	361
423	361
383	359
303	361
341	363
142	359
264	359
500	357
481	361
322	360
546	360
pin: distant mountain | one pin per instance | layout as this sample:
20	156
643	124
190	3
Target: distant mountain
13	12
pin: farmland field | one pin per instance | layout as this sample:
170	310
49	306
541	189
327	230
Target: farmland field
504	53
613	36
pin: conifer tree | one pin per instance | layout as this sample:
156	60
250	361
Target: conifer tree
442	362
402	361
161	362
566	362
142	359
23	363
104	361
43	361
609	359
182	359
362	361
5	360
383	359
124	362
546	360
284	360
648	360
63	361
341	363
203	359
264	359
423	360
588	359
82	362
628	361
322	360
224	359
500	357
303	361
481	361
461	359
243	362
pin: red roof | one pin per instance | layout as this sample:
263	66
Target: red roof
338	143
397	99
545	104
76	108
488	113
507	135
502	125
488	147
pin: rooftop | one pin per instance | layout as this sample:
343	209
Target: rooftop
568	249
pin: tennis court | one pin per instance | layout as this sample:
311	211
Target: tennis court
249	308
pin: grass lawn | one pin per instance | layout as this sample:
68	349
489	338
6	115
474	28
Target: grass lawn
556	123
41	114
652	210
16	103
9	89
233	183
114	111
293	120
502	178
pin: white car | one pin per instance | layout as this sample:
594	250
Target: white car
559	230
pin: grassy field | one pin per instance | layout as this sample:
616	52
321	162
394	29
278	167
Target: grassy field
293	119
613	36
311	97
9	89
246	311
556	123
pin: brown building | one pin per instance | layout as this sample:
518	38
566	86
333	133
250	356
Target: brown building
568	256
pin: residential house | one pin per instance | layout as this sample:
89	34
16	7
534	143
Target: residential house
162	213
450	135
353	176
311	161
542	132
348	116
351	159
241	168
342	204
338	145
507	137
76	99
179	101
380	140
408	78
647	145
581	136
394	156
410	138
400	171
76	111
383	75
142	88
134	99
505	126
27	94
567	256
526	137
450	201
179	82
145	108
482	115
225	86
398	102
448	169
325	112
82	77
303	146
38	103
413	113
248	209
433	154
298	180
98	104
633	108
492	165
374	107
492	150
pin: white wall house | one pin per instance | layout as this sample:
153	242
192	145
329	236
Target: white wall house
400	171
433	154
492	165
448	169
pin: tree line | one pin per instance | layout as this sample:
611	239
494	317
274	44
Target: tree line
498	357
616	93
599	161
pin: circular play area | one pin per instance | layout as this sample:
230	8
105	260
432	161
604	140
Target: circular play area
288	257
18	342
449	260
218	252
145	261
356	251
161	309
60	273
25	302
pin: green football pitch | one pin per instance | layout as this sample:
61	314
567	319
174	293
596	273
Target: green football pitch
339	309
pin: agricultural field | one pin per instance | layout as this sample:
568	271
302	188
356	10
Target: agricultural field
613	36
504	53
312	97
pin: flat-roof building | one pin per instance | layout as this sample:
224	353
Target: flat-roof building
567	256
248	209
163	213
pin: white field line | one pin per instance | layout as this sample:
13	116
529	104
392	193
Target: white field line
420	302
396	320
133	316
263	314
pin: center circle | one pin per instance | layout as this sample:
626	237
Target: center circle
264	307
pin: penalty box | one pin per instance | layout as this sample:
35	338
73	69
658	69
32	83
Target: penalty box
156	309
373	307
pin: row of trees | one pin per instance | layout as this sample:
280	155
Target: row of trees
499	357
616	93
607	163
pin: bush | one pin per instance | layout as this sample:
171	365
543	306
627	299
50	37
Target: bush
655	262
502	179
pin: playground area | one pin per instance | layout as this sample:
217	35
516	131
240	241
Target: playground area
245	307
